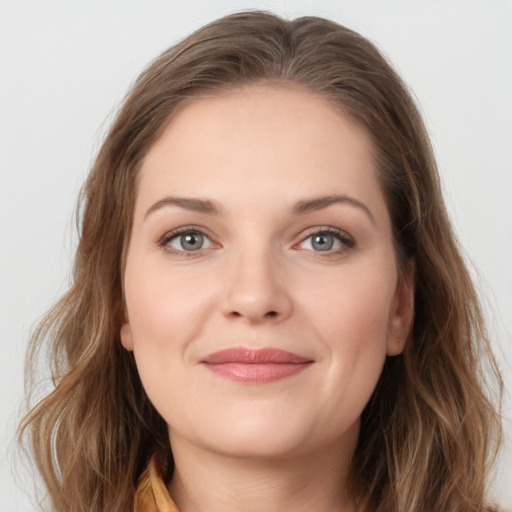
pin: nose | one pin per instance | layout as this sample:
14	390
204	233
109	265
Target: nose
256	289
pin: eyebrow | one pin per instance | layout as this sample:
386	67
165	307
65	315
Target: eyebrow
193	204
299	208
319	203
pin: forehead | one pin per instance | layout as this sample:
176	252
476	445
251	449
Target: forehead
259	114
260	141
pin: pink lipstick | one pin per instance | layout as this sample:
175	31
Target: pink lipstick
255	366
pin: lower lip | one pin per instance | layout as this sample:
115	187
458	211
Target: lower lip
257	373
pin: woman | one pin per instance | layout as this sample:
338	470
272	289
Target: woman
269	309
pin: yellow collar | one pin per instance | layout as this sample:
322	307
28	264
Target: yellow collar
152	494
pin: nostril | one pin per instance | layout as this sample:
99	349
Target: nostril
253	317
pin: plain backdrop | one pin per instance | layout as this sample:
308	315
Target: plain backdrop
65	65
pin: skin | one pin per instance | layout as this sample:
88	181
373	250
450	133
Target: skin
260	281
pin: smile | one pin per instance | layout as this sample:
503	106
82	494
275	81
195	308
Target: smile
258	366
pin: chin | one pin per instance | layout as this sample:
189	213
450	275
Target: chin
269	433
263	443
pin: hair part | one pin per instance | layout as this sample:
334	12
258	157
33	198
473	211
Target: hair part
427	434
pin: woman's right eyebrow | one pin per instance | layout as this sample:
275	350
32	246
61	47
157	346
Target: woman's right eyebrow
188	203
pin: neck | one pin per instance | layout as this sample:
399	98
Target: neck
204	481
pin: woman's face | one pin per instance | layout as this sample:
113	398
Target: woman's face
261	282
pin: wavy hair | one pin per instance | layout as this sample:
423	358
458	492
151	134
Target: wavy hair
429	431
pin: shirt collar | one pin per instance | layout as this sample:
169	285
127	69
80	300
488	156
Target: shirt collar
152	494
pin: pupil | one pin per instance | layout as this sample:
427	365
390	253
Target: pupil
191	241
323	242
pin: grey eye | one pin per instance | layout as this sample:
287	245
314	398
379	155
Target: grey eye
190	241
325	241
322	242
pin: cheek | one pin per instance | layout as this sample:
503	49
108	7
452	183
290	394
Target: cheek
353	306
164	316
165	305
351	317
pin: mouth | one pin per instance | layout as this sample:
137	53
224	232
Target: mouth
255	366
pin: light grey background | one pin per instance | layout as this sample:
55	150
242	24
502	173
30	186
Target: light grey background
65	65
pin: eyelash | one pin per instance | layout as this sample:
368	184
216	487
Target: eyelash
175	233
347	241
344	238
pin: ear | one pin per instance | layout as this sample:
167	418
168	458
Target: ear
402	312
126	333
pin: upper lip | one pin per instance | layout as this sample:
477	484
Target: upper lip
254	356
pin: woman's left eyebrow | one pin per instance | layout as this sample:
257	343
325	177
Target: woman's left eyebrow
318	203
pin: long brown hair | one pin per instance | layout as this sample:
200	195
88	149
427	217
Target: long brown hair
429	429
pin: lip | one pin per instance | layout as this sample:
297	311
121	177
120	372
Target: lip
255	366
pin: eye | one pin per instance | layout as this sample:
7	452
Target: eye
327	240
187	241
